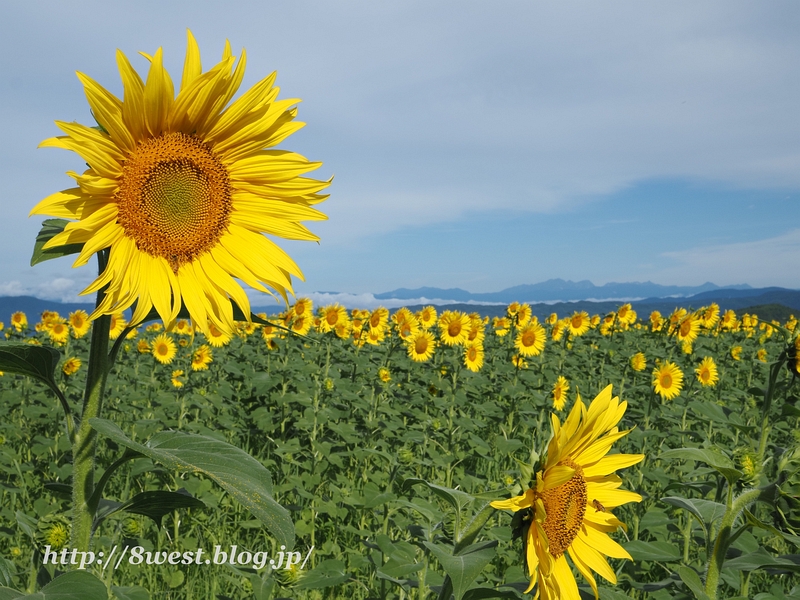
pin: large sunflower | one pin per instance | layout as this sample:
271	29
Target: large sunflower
181	189
568	509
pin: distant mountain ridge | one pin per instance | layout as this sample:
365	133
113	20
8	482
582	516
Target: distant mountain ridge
560	290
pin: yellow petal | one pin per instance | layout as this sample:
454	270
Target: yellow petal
612	498
158	96
601	542
516	503
102	238
592	558
133	98
565	580
556	476
191	66
584	570
107	109
612	462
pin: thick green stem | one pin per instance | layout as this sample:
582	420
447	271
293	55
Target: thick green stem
85	442
724	539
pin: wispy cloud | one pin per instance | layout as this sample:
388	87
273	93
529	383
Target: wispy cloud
60	289
768	262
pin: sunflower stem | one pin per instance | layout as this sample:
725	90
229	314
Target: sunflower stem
724	539
85	443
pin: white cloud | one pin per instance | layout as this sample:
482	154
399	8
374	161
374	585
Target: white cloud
768	262
59	289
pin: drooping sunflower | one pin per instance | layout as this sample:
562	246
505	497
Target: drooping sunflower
736	353
79	321
420	346
201	358
181	189
530	339
560	389
384	375
667	380
143	347
761	355
163	349
568	507
706	372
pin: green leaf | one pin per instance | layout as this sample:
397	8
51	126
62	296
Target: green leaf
505	446
326	574
761	559
464	568
692	580
74	585
456	498
238	473
6	571
713	458
9	594
156	504
482	593
652	551
135	592
39	362
705	510
51	228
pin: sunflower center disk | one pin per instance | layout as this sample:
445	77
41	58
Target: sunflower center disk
565	506
174	198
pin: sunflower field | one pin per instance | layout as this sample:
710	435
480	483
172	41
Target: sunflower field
427	454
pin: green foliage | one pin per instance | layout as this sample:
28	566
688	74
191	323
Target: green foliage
390	481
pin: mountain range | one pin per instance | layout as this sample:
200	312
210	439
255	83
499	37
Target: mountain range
559	290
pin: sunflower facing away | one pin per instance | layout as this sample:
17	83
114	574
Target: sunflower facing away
181	188
568	510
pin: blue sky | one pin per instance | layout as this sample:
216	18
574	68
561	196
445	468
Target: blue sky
474	145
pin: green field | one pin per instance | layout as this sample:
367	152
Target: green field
345	446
